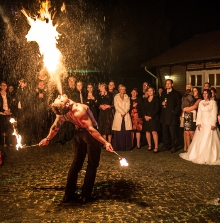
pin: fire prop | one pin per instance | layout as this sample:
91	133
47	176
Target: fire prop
18	137
123	161
45	34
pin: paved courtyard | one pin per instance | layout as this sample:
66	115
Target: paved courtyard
153	188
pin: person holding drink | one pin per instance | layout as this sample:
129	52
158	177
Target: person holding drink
5	112
171	108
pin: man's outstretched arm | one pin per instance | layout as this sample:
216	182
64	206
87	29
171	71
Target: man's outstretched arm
53	131
87	124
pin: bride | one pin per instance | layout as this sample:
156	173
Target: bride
205	146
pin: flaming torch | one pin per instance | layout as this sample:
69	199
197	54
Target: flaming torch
123	161
45	34
18	137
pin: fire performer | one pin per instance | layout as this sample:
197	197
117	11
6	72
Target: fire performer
86	141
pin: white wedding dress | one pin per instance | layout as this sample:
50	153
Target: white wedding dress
205	146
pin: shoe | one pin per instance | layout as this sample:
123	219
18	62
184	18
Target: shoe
155	150
92	198
133	147
68	199
173	150
138	147
62	142
149	148
163	149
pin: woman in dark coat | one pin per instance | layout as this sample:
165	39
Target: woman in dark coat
151	125
91	101
105	119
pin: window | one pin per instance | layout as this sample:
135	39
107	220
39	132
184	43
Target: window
198	78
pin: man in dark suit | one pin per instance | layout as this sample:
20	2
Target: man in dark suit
71	91
171	108
25	110
80	93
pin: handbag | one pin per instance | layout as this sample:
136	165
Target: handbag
181	122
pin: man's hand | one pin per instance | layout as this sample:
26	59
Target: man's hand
108	147
44	142
147	118
199	127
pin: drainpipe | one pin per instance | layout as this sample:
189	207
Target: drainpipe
152	76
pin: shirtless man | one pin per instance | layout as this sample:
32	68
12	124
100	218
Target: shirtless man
86	141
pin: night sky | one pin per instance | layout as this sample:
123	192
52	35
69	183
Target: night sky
115	36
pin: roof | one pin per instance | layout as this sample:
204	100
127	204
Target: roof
200	48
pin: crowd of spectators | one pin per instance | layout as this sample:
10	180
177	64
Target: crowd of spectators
125	119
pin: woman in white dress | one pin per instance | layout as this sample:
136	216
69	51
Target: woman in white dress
205	146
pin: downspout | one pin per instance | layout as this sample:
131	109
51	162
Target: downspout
152	76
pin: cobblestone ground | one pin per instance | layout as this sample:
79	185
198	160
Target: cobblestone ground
153	188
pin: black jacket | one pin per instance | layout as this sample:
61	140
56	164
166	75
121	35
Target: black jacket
1	102
171	113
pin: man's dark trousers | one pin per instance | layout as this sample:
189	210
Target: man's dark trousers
84	144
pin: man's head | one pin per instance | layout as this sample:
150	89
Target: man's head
145	86
71	82
169	84
22	83
160	90
189	87
111	86
3	85
79	85
41	85
134	92
60	106
42	75
207	85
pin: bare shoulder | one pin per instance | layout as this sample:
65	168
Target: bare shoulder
79	109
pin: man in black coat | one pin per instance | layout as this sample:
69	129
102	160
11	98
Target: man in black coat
171	108
25	111
70	90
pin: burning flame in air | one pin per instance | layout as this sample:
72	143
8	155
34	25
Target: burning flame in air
18	137
45	34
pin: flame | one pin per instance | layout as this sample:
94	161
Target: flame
18	137
63	8
123	162
45	34
12	120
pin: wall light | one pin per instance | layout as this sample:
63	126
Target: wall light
166	77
